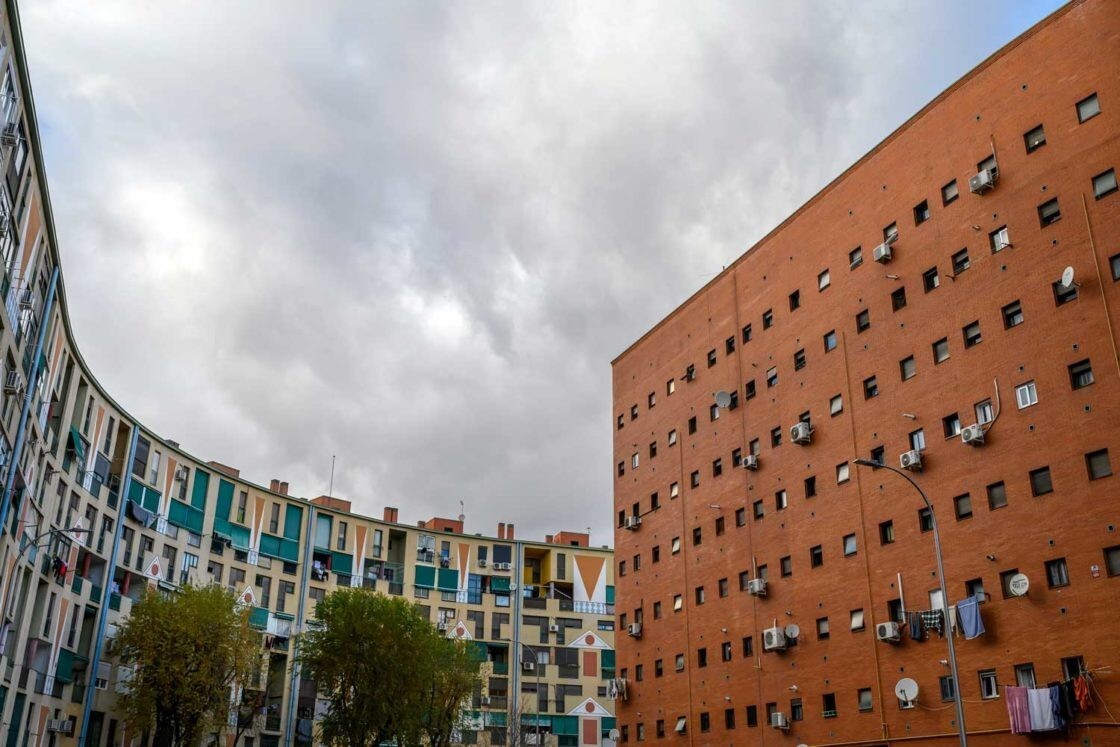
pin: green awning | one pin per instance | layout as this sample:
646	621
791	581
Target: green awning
275	547
64	672
448	579
239	536
342	563
258	618
283	616
499	584
78	444
425	577
182	515
607	660
565	725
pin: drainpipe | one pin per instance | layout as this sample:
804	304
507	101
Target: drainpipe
515	655
33	376
305	580
107	589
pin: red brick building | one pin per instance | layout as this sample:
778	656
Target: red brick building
916	295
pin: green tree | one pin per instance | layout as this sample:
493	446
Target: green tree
385	670
188	650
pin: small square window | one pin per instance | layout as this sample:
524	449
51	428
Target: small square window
925	520
886	532
1114	266
816	556
1088	107
1057	574
633	412
907	368
771	377
1104	184
692	425
767	319
676	545
949	192
678	603
984	411
1041	484
781	500
962	504
898	299
822	628
621	422
1026	394
795	300
674	490
1098	464
786	566
750	390
941	350
717	467
1049	212
975	588
713	413
1012	314
999	239
699	595
652	449
971	334
890	233
829	340
917	439
672	437
843	472
863	321
747	333
621	469
952	425
694	479
711	357
740	517
865	702
850	546
988	164
1080	374
1063	294
824	279
870	387
729	345
948	688
921	212
856	618
997	495
810	486
836	405
960	262
776	436
930	279
855	258
1112	560
1034	139
1024	675
759	509
670	387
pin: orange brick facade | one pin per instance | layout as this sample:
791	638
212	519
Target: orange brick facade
712	524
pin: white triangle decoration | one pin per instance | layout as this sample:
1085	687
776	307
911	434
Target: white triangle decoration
460	631
153	569
589	709
589	639
248	597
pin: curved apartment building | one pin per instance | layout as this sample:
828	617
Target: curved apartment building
96	509
917	312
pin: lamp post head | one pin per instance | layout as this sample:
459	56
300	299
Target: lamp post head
868	463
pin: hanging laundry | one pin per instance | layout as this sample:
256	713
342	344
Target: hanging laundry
1060	720
972	625
914	619
1042	714
933	620
1017	709
1068	700
1081	692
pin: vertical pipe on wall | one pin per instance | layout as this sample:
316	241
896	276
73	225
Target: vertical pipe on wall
305	581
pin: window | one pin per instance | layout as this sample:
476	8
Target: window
676	545
796	710
776	436
759	509
652	449
799	360
1034	139
842	473
997	495
948	688
974	588
771	377
720	526
748	646
672	438
670	387
1041	483
342	526
1072	666
855	258
692	425
898	298
952	425
850	546
794	300
1057	574
830	340
274	519
651	400
740	517
701	662
907	368
1114	265
988	164
886	532
699	591
999	239
921	212
747	334
1024	675
863	321
781	500
1087	108
1049	212
810	486
751	390
835	405
1012	314
634	460
816	556
634	410
697	536
828	705
1026	394
713	413
728	715
1080	374
729	345
711	358
678	603
621	469
941	350
930	279
822	628
723	588
962	504
1098	465
864	696
960	262
768	319
890	233
917	439
984	412
925	520
971	333
856	620
1063	294
785	565
1112	560
1104	183
949	192
823	280
870	387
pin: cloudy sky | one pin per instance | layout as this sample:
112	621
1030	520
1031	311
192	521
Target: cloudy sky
414	235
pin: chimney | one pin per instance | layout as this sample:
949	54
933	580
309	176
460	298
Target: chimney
501	530
274	485
509	531
548	539
284	488
389	515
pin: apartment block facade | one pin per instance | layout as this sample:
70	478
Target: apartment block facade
947	306
97	509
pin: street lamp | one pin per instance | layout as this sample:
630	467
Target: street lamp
961	731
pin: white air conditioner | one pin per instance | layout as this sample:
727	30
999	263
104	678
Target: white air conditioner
528	665
553	628
888	631
801	433
779	720
634	630
756	587
911	460
633	522
982	182
11	382
10	136
773	639
882	253
501	566
482	562
182	473
61	726
973	435
484	700
750	461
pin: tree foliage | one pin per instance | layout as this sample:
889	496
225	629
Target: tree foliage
385	670
188	651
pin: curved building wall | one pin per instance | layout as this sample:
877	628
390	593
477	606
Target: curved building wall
962	324
168	518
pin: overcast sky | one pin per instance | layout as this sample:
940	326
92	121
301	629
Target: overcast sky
414	235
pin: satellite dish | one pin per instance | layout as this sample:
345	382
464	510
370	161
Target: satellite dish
793	630
1067	277
906	690
1019	585
723	399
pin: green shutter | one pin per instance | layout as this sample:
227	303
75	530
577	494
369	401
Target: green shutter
240	537
79	446
201	488
293	522
289	550
64	671
258	618
182	515
607	723
567	725
448	579
425	577
342	563
143	496
499	584
477	650
225	499
607	660
270	545
610	595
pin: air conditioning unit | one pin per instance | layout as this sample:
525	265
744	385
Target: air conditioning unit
634	630
773	639
911	460
528	665
982	182
484	700
182	473
61	726
553	628
26	298
482	562
888	631
756	587
633	522
973	435
501	566
11	382
800	433
779	720
10	136
882	253
750	461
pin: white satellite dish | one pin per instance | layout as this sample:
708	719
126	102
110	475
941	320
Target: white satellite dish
1067	277
723	399
793	630
906	690
1019	585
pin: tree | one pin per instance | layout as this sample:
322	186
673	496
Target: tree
187	650
385	671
